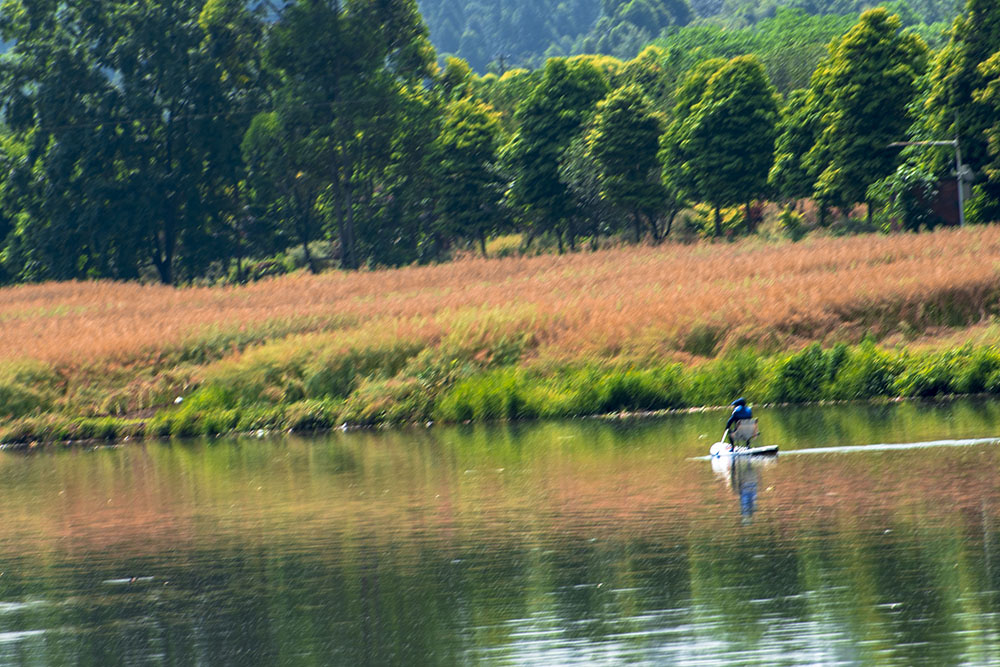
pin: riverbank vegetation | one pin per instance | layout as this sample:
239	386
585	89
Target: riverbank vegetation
630	329
161	163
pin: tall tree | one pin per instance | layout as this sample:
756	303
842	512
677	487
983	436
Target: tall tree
727	140
624	141
869	80
468	185
959	105
678	173
801	121
344	68
549	119
989	96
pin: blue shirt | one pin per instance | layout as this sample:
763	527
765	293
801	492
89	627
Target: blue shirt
741	412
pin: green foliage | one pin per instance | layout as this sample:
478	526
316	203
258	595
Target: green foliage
624	142
726	142
789	43
388	401
803	376
957	104
791	176
717	382
512	393
904	199
27	388
148	115
868	82
550	118
792	225
522	33
468	185
868	372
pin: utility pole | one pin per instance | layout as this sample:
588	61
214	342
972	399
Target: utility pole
959	169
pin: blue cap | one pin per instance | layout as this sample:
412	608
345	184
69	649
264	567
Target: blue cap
739	401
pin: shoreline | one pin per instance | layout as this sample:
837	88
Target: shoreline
603	391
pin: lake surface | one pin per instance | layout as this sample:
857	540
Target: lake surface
574	542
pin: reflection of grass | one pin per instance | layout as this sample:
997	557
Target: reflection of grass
627	329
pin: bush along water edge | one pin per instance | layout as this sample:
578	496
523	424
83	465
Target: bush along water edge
402	384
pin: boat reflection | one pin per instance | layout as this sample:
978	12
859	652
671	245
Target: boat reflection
742	476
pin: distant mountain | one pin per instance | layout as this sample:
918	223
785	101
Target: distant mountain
494	35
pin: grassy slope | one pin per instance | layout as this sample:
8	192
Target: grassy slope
636	328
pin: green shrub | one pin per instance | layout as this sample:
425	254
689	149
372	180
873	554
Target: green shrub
218	422
976	370
257	418
928	375
802	376
493	395
637	390
866	372
719	381
27	388
514	393
310	415
791	224
395	400
335	373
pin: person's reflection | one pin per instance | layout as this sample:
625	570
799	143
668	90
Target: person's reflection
742	475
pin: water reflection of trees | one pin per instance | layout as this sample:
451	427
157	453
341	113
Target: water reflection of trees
382	551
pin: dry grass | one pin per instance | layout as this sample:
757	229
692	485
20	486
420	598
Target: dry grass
669	301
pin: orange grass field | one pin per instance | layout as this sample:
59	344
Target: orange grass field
670	301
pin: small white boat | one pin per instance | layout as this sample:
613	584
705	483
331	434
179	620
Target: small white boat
743	434
723	449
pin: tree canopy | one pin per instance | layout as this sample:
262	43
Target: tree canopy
196	140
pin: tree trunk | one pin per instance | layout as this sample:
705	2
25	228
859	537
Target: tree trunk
308	255
304	228
637	226
526	244
670	222
870	212
718	222
654	229
164	242
482	242
352	246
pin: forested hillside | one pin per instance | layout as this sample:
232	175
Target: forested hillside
522	33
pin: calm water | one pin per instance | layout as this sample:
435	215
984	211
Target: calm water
539	544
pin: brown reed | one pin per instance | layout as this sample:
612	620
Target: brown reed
652	301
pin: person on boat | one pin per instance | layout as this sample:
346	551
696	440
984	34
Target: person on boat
741	411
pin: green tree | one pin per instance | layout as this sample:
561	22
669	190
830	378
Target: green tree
868	81
726	139
989	96
549	119
281	190
131	114
624	141
959	104
468	186
345	68
800	124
